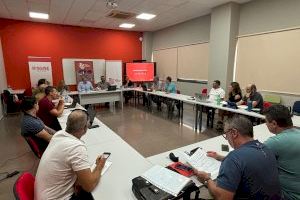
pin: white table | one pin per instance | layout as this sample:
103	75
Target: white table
99	96
127	163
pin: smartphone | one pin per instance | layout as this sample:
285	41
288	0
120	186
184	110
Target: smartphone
225	147
106	154
183	167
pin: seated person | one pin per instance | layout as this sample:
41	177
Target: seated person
252	96
285	145
62	88
65	164
249	171
48	111
103	84
32	126
84	85
234	95
156	86
216	91
170	87
127	94
39	92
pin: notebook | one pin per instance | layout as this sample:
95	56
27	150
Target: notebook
166	180
200	161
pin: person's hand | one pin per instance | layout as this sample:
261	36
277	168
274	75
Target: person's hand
212	154
202	176
247	95
100	162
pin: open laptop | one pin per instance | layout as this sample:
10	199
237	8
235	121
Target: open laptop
201	98
73	105
111	87
92	115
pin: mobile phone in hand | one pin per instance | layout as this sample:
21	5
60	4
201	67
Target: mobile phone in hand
106	154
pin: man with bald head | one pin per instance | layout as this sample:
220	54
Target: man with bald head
253	97
65	162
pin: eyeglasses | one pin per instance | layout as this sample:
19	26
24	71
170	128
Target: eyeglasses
225	133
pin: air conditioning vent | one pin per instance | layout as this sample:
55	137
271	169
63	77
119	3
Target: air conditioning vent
120	14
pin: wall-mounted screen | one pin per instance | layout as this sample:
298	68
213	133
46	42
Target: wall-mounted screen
140	71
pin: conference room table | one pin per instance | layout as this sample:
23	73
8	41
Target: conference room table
99	96
127	163
181	98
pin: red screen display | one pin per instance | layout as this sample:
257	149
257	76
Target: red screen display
140	71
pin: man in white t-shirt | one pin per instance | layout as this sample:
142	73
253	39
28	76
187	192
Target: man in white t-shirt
215	91
65	162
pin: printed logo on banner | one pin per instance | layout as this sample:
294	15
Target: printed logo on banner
39	67
84	69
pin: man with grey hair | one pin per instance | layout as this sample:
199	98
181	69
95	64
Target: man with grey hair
65	162
247	172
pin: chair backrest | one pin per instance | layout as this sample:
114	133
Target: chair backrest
34	147
178	92
296	107
204	91
273	99
24	187
267	104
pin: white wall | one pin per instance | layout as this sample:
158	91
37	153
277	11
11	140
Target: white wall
268	15
189	32
3	83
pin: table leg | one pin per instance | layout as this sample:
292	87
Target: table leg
196	117
200	118
181	106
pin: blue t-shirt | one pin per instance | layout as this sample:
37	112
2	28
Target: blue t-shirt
84	87
250	172
30	127
170	87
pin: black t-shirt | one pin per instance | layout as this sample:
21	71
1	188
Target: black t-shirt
30	127
258	98
232	97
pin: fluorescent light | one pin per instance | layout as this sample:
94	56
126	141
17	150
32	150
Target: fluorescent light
146	16
38	15
126	25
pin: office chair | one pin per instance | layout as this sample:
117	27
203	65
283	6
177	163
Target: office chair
24	187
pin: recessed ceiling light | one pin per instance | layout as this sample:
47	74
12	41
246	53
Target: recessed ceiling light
38	15
146	16
126	25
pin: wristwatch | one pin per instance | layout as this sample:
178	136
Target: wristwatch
206	182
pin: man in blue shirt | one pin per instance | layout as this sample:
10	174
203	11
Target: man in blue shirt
170	87
286	147
84	85
249	171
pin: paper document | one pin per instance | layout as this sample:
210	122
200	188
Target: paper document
166	179
105	168
200	161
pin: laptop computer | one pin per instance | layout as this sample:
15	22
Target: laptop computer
72	105
92	115
111	88
201	98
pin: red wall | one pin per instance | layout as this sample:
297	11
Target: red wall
21	39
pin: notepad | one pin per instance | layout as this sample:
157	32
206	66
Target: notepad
166	180
105	168
200	161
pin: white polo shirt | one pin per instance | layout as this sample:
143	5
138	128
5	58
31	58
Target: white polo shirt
213	93
56	176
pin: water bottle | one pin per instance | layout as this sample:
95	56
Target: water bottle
249	104
218	100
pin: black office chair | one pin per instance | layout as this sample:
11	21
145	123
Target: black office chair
296	108
11	106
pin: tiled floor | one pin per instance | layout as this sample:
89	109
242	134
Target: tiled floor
141	128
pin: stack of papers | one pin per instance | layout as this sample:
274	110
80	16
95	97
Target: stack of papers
166	180
200	161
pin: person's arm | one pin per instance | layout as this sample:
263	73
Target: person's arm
79	87
44	135
88	180
91	86
215	155
59	109
237	96
49	130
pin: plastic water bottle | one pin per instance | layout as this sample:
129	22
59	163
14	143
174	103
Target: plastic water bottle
218	100
249	104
